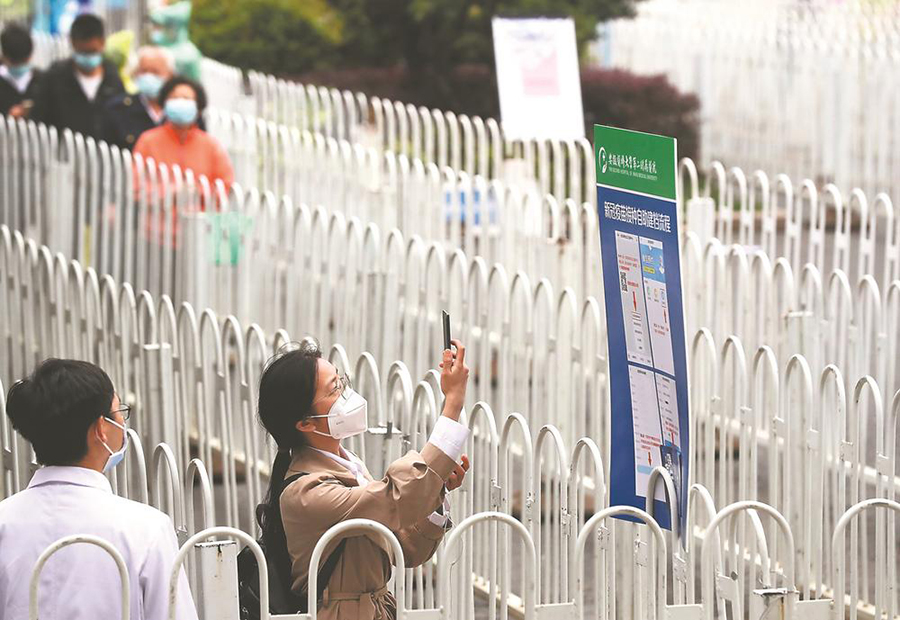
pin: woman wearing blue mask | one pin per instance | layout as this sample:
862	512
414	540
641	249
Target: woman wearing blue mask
309	409
180	140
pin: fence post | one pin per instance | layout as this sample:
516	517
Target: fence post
217	595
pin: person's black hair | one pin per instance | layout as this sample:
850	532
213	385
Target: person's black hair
199	92
16	43
86	27
54	407
287	389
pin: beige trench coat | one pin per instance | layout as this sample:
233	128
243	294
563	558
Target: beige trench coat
411	489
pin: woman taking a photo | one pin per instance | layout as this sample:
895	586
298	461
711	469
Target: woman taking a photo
308	408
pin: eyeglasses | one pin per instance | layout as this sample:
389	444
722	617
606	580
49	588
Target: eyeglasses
343	382
125	410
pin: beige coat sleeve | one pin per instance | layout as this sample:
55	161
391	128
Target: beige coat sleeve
409	492
419	541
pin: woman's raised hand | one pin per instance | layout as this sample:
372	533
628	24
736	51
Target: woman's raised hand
454	378
459	474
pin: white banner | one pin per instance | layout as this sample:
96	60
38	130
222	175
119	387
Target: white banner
538	78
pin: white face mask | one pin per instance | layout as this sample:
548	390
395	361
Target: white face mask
348	416
115	457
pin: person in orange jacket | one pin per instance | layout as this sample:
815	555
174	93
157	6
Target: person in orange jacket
179	140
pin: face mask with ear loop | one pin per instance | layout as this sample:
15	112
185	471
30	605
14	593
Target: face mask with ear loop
115	457
347	417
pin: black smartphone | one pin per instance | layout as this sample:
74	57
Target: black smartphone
446	318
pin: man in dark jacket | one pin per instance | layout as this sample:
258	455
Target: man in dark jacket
18	79
75	90
126	117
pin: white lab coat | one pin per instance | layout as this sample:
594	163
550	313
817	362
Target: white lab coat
81	581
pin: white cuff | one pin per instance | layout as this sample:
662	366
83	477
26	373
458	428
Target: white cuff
441	518
449	436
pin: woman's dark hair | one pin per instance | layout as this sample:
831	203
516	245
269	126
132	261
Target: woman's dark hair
286	392
178	80
55	406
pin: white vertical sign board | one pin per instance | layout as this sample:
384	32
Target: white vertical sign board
538	78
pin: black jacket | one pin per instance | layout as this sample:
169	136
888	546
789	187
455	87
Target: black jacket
123	120
10	96
62	103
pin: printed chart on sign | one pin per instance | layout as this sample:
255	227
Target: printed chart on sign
651	366
637	216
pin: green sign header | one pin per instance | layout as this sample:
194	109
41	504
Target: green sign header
635	161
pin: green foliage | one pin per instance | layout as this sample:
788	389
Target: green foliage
374	32
436	53
642	103
273	36
439	36
428	37
459	31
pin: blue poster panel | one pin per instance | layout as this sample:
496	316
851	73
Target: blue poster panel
639	246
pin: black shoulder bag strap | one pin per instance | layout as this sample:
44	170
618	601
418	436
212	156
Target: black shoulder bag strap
327	571
328	567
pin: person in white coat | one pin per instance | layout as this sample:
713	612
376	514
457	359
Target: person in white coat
69	412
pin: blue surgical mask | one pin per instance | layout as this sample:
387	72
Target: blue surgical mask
88	62
115	457
18	71
149	84
181	112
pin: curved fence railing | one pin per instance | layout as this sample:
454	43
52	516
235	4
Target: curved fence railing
807	444
531	347
772	585
785	87
276	262
402	166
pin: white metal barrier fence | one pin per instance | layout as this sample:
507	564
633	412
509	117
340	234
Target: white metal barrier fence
803	224
803	451
42	167
470	145
503	225
777	594
498	223
531	349
320	155
474	152
800	88
276	262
